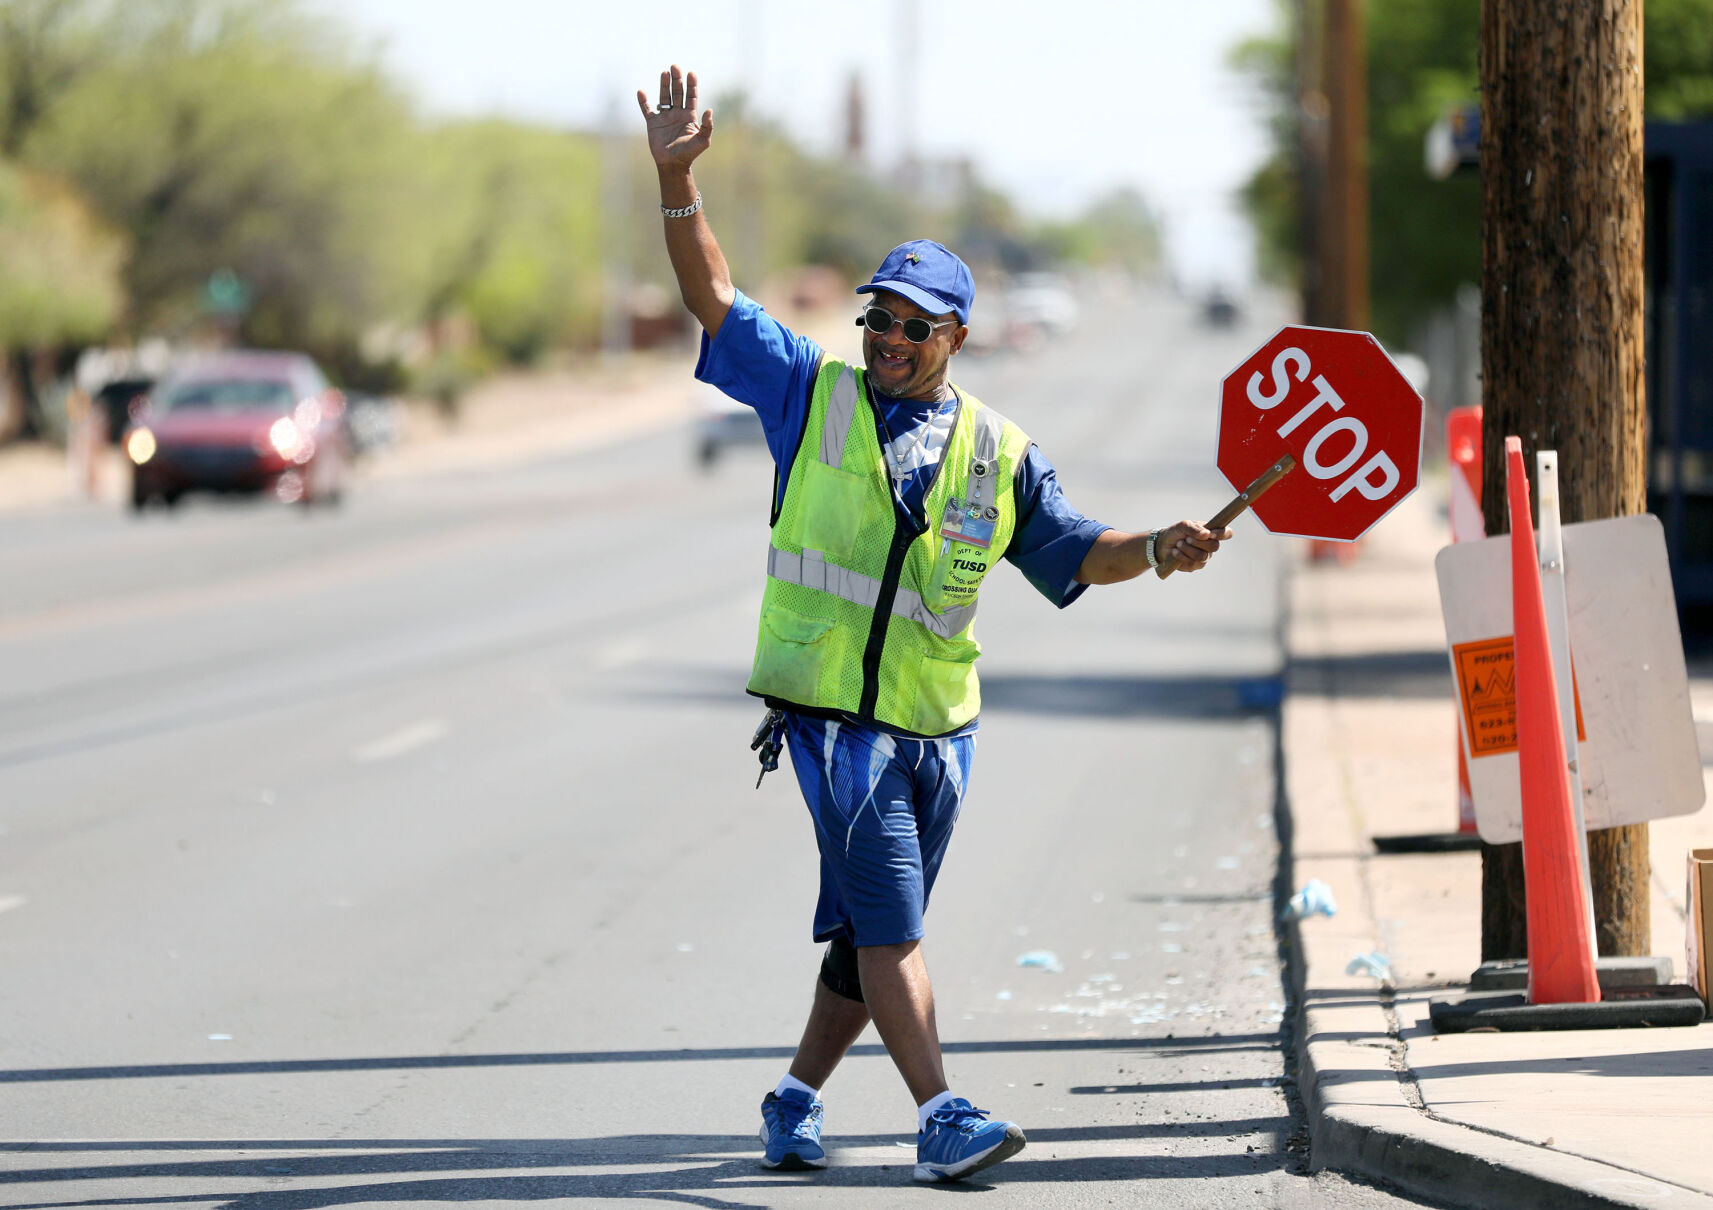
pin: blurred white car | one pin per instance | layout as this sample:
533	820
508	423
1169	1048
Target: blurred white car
371	423
1043	301
723	422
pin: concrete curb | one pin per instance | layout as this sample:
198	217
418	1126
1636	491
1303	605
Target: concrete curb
1361	1121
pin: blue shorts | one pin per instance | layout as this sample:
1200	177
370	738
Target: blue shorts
883	807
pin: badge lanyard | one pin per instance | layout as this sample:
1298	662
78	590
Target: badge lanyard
897	471
968	522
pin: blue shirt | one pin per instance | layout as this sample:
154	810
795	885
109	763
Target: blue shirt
760	362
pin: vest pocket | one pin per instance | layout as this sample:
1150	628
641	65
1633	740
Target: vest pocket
835	504
791	654
947	695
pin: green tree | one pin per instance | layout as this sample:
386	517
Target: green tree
1422	57
1117	231
504	243
261	157
61	269
45	46
516	239
1427	234
1677	44
61	265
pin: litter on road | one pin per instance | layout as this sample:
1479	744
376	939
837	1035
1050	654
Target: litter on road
1373	964
1045	960
1315	899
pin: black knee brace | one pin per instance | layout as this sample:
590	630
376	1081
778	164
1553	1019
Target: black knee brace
839	970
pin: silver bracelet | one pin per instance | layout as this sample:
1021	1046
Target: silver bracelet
1148	549
684	211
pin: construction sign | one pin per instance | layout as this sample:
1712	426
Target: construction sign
1487	690
1637	751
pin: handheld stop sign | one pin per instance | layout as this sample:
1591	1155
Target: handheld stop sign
1319	433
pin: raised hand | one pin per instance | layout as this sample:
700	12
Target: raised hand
675	137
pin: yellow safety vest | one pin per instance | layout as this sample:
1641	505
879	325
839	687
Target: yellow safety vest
868	612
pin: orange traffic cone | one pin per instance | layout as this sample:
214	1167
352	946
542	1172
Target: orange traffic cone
1561	948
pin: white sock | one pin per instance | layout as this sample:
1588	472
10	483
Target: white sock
927	1107
791	1081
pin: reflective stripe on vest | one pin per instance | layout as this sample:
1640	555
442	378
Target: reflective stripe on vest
810	570
990	427
840	409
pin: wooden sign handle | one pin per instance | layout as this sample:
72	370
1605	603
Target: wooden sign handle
1239	506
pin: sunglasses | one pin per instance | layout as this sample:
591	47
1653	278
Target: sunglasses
916	329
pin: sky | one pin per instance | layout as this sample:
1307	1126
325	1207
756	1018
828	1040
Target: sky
1057	101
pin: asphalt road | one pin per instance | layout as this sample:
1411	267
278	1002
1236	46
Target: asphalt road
412	853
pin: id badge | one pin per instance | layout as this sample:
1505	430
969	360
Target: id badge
964	524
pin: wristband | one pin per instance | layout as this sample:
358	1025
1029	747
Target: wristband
683	211
1153	560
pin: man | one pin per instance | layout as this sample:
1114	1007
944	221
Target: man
896	492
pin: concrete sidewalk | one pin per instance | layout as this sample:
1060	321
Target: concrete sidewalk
1582	1118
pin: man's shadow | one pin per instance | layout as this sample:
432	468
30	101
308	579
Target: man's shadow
714	1171
698	1170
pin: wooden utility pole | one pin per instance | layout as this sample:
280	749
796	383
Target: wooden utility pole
1344	280
1561	333
1311	156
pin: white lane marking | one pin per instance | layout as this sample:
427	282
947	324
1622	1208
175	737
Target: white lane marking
405	739
621	653
8	902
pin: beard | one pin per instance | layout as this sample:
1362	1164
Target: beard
907	377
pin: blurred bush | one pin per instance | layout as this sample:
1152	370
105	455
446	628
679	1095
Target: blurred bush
60	264
512	234
449	376
59	285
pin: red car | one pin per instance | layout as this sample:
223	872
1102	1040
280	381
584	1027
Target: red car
240	422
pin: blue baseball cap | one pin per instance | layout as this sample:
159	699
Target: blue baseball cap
929	275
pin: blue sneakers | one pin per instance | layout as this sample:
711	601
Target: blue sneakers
791	1128
960	1140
